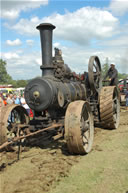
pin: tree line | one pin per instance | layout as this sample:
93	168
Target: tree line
5	78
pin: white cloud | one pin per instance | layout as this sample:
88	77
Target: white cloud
78	57
83	25
16	42
25	26
121	41
30	42
38	61
119	7
9	14
10	55
56	44
80	26
22	65
10	9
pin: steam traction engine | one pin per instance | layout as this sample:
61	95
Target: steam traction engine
77	102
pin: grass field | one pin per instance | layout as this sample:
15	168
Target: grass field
105	169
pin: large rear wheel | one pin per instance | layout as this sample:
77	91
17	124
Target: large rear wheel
109	107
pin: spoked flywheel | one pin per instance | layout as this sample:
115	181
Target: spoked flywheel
13	117
94	74
79	129
109	107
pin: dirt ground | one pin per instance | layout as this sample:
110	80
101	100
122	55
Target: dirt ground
49	168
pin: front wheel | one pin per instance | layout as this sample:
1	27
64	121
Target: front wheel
79	128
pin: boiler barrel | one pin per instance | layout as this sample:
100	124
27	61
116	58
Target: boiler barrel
42	94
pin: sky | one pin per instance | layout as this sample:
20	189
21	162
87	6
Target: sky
83	28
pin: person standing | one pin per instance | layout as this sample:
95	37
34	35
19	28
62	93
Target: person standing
112	73
24	104
10	99
4	100
16	99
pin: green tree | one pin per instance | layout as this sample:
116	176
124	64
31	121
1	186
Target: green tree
21	83
4	76
105	68
122	76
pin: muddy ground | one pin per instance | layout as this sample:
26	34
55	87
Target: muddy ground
40	169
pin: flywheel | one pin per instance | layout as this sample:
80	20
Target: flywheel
94	74
109	104
12	118
79	128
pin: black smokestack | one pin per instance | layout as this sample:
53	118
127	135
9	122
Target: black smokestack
46	46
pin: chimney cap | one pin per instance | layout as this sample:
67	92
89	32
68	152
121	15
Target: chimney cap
45	26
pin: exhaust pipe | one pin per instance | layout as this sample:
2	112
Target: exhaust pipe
46	47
